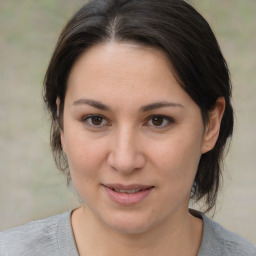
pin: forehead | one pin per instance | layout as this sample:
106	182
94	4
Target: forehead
123	70
121	55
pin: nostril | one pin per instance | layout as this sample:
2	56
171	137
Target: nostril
126	163
125	153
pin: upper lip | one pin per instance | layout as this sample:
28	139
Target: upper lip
127	187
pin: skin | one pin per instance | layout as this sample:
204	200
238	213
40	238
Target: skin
125	145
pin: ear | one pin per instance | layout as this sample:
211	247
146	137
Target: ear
212	128
61	130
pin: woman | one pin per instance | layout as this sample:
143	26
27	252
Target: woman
139	96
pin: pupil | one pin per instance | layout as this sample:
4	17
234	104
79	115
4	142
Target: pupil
97	120
157	121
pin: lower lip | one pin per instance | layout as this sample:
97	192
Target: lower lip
125	198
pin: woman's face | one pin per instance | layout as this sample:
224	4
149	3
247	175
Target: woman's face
132	136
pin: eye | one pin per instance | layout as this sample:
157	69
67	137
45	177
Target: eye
95	121
159	121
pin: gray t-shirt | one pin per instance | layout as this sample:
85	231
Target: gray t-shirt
54	236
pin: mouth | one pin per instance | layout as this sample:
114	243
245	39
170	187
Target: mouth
128	191
127	195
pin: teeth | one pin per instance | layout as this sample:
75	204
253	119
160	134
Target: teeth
131	191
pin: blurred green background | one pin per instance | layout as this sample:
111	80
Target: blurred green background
30	185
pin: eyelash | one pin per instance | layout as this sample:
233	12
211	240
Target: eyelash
88	121
166	119
89	117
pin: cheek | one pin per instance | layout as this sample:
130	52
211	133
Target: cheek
85	160
85	155
181	151
177	158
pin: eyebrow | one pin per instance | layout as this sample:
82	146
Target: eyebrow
92	103
158	105
101	106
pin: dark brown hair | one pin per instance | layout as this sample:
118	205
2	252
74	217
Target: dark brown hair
182	33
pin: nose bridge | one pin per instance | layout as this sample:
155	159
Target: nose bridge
125	142
126	154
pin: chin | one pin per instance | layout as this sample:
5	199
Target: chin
130	225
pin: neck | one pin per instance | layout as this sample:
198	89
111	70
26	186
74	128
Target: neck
180	236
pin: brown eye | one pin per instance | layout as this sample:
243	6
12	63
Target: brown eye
157	121
160	121
96	120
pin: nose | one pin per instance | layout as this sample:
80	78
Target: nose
126	154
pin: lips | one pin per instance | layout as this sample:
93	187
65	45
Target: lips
127	194
128	191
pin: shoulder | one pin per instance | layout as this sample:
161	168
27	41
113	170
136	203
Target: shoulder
219	241
35	238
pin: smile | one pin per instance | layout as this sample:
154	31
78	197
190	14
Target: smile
132	191
127	195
